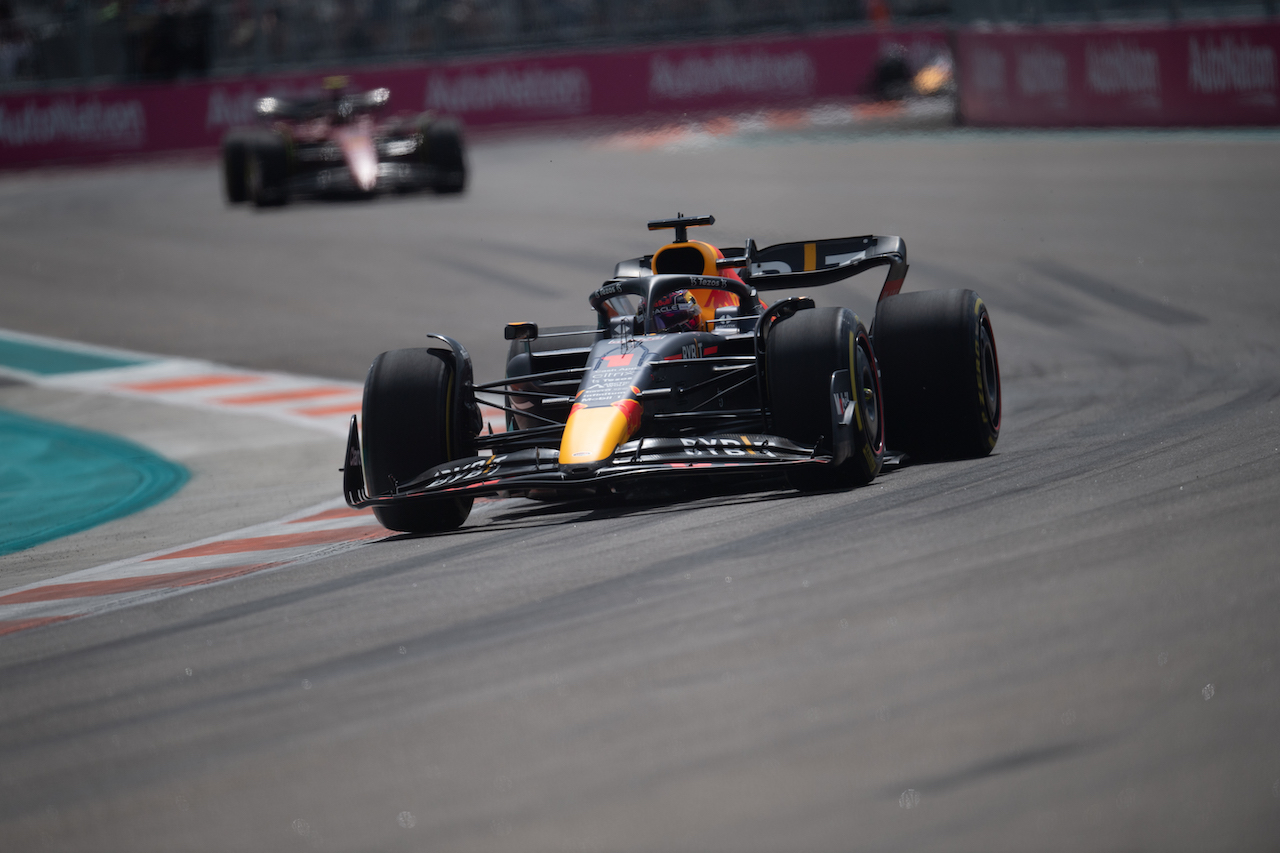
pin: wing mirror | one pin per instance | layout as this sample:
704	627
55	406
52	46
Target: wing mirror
521	332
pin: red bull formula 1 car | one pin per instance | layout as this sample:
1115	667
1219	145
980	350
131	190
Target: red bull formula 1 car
686	373
340	144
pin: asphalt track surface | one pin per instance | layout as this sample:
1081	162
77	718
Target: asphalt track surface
1071	645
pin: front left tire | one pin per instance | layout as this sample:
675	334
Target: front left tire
444	150
268	170
413	421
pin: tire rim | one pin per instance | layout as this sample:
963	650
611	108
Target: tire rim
868	389
990	372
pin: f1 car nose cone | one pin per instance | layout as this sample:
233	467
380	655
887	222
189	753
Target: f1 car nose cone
591	435
361	156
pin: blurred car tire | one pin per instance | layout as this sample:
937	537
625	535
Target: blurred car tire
444	150
235	167
268	156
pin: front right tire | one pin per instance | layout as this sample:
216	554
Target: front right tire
413	421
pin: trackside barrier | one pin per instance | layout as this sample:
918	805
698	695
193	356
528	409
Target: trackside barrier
1152	76
79	126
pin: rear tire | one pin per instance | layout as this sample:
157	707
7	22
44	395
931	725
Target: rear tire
940	372
803	351
412	422
445	151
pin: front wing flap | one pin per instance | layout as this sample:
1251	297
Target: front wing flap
539	469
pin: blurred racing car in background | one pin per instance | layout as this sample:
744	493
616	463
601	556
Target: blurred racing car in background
340	144
686	373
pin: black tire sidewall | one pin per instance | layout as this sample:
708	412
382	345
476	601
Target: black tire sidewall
412	422
235	168
930	345
444	150
268	155
802	353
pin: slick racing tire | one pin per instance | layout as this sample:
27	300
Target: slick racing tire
268	170
444	150
235	168
412	422
940	373
804	350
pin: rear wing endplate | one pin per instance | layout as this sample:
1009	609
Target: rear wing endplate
817	262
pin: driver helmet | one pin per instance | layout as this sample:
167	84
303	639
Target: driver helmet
678	311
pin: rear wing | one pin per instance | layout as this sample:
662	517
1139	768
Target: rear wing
817	262
803	264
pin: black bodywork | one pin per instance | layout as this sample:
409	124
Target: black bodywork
701	400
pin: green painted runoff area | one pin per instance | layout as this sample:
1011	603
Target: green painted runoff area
48	360
56	480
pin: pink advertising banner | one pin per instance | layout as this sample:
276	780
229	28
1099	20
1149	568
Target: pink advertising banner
77	126
1152	76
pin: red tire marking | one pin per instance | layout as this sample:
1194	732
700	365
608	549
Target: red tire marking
282	396
188	382
340	512
320	411
169	580
283	540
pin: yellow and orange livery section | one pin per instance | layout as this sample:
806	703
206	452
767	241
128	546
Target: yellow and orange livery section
697	258
593	433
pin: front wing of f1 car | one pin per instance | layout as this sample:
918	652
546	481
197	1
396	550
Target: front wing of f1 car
537	469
